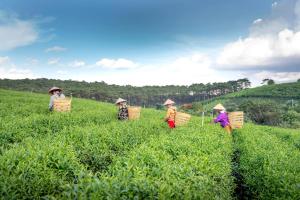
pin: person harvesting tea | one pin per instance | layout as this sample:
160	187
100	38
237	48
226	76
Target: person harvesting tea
171	113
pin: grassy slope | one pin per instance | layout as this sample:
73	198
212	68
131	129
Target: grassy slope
277	92
284	90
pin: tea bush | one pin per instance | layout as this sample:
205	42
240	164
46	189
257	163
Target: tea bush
89	154
270	166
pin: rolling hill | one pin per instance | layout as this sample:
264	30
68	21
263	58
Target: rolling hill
282	93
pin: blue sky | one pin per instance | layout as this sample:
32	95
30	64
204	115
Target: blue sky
150	42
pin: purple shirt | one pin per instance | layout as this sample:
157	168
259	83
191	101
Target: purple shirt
223	119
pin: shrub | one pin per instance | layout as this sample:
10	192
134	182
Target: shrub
270	167
37	169
264	112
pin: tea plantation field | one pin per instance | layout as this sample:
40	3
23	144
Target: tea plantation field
88	154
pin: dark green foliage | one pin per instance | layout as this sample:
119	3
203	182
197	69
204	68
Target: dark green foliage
197	106
268	81
296	107
271	82
291	118
143	96
262	112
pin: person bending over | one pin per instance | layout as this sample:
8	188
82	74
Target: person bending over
222	118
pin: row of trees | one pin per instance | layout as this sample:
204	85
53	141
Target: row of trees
143	96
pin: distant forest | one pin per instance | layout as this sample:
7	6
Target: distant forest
149	96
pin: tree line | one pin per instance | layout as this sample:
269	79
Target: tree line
148	96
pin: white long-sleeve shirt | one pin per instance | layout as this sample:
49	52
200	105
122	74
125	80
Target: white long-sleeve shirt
53	97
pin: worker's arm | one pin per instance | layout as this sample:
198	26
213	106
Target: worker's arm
51	102
217	119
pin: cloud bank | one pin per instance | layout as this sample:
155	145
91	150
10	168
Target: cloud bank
77	63
120	63
15	32
53	61
10	71
272	44
55	49
263	52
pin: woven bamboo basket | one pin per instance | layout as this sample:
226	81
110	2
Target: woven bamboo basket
134	112
181	118
62	105
236	119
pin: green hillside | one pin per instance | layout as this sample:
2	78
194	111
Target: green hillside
279	103
88	154
281	92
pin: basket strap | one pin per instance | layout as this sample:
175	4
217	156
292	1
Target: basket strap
175	114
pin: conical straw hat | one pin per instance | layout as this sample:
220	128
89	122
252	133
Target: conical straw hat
120	100
219	107
169	102
53	89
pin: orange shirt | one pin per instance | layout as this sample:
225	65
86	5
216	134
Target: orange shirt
171	113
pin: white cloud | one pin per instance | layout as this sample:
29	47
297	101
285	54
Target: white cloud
278	76
55	49
62	72
183	70
15	32
15	73
120	63
53	61
4	60
262	52
273	43
10	71
257	21
274	4
32	61
196	62
77	63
